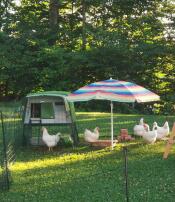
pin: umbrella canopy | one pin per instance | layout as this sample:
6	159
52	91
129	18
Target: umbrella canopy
113	90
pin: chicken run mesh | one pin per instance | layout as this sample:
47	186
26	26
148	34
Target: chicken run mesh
10	140
33	134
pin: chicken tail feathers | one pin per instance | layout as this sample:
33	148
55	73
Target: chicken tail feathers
58	134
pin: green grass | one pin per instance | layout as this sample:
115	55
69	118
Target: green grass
85	174
9	108
102	120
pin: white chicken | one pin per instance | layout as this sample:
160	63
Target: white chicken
162	131
90	136
140	128
150	136
50	140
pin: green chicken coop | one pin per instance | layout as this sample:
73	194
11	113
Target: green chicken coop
52	110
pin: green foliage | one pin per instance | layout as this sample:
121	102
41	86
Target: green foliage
91	40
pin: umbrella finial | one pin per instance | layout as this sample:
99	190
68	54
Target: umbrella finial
110	78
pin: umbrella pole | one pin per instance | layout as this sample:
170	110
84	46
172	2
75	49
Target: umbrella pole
112	126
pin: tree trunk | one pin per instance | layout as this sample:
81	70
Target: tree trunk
53	20
84	25
4	10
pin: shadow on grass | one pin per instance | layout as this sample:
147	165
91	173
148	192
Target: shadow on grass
25	154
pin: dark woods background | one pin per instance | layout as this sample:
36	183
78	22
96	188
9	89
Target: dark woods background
65	44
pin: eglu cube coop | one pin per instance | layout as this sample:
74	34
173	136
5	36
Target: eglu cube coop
51	110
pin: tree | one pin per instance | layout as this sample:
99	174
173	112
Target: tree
53	20
50	40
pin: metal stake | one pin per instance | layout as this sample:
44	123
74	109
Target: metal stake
5	152
125	150
112	126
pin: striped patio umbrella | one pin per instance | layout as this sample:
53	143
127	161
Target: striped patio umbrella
113	90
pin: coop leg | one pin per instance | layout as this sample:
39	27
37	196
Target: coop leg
24	143
74	134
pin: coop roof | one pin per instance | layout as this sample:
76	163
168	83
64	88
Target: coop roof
63	94
49	93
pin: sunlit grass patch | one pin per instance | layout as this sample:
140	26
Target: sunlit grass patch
67	173
56	160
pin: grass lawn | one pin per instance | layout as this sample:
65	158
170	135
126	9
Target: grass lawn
85	174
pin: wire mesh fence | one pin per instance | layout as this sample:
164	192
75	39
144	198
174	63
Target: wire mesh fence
10	140
104	173
90	120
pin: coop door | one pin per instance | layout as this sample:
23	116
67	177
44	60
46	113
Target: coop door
35	110
60	112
